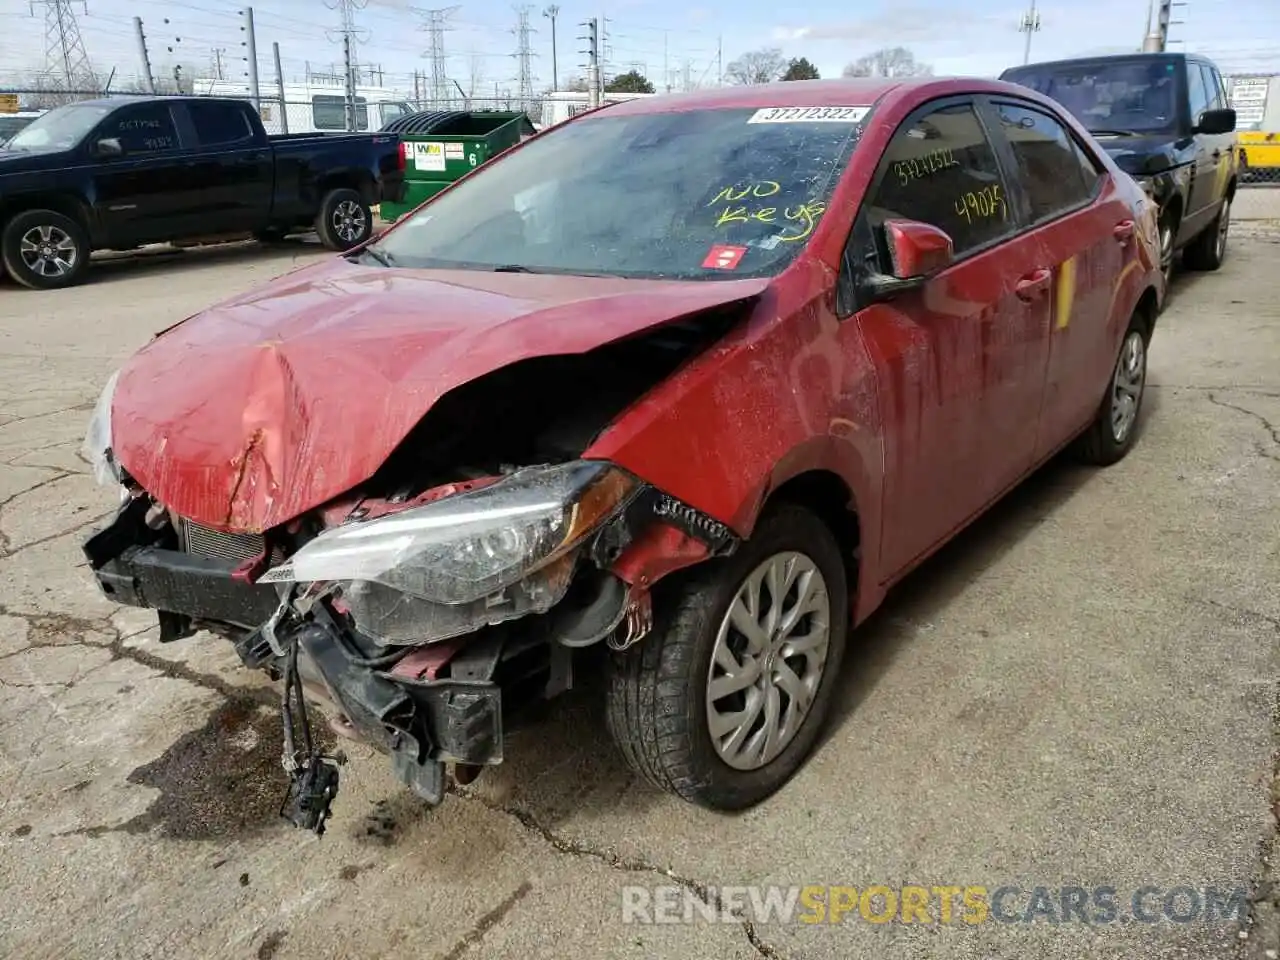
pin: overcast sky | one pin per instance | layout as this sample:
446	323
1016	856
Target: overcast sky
980	38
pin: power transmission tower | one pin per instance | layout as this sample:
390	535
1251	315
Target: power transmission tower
523	54
348	35
1029	24
66	63
215	56
436	25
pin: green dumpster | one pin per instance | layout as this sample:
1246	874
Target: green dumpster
440	147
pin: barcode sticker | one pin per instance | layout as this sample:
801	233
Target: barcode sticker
809	115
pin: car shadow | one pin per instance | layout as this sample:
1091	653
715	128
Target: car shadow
114	267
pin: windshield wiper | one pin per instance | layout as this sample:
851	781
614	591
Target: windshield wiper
383	259
514	268
1115	133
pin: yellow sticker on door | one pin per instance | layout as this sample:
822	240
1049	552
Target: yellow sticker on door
429	156
1066	292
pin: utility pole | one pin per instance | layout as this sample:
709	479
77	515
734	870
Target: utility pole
146	58
177	77
593	62
64	54
284	109
350	84
719	61
436	25
552	12
216	57
523	54
1029	24
666	69
1157	39
251	55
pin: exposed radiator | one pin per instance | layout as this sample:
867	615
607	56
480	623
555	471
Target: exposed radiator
216	545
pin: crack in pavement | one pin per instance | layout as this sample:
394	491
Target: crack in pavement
44	624
1244	613
1251	391
488	921
6	552
59	475
1271	430
82	407
573	848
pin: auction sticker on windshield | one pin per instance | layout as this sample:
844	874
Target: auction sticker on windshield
722	257
809	115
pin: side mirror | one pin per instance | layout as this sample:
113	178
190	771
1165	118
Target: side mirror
917	251
109	147
1217	121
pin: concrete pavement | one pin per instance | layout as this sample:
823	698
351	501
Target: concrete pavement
1080	691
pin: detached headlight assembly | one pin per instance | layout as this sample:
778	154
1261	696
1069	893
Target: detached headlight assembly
467	547
97	439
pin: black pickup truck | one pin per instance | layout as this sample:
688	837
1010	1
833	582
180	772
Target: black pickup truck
117	173
1164	118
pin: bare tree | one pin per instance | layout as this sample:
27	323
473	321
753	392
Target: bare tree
757	66
888	62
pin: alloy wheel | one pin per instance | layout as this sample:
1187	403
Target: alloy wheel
48	251
349	221
768	660
1166	251
1127	385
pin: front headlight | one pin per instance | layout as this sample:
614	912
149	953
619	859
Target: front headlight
97	439
466	547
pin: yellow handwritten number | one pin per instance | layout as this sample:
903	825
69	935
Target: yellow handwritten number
984	204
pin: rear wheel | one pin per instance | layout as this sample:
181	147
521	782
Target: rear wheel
345	220
1168	232
1113	431
724	700
1209	249
44	249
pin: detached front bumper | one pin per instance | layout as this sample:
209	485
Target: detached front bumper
405	710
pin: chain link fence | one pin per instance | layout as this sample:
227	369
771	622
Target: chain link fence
1256	100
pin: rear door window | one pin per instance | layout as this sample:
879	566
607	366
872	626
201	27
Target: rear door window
220	122
145	128
1050	164
941	169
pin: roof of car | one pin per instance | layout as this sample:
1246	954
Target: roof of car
1102	58
853	92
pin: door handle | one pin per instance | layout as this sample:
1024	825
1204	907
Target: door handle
1033	284
1123	231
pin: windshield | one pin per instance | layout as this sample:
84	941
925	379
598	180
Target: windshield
701	194
59	129
1116	97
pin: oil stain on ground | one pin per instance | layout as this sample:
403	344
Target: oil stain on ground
220	781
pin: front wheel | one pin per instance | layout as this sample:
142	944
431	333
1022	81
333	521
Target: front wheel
722	703
1114	429
345	220
44	249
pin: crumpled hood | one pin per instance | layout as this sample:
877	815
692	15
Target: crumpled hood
277	401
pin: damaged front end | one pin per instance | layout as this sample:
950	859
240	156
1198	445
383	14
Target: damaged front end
420	623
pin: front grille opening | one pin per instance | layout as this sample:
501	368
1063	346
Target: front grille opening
213	544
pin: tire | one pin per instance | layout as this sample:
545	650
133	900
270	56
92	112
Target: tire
1209	249
345	220
657	699
1104	443
1167	230
44	249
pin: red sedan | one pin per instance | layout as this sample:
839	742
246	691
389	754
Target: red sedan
680	387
